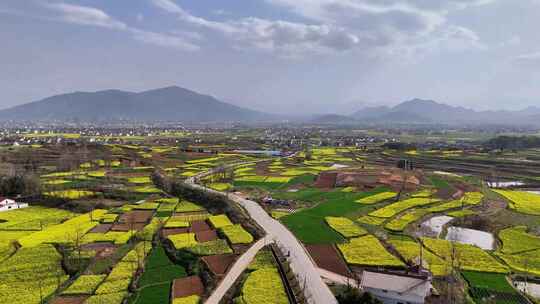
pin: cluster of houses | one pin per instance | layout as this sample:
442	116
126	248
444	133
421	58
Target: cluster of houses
9	204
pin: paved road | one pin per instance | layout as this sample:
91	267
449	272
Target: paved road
337	278
236	270
316	291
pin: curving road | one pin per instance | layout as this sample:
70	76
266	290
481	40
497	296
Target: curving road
316	291
236	270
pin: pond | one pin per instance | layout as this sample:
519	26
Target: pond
482	239
434	226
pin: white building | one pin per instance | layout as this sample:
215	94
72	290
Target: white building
9	204
396	289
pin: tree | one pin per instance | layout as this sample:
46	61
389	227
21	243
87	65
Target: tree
352	295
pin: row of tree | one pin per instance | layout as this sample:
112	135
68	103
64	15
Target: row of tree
513	142
20	184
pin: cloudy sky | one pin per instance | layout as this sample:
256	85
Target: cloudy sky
279	56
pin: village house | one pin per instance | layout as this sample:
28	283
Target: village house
397	288
9	204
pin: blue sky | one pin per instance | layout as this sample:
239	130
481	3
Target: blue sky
284	56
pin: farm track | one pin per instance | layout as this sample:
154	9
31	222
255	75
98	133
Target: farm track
236	270
316	291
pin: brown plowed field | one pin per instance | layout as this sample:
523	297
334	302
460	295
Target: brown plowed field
69	300
172	231
327	257
128	227
205	236
101	228
219	264
199	226
136	216
186	287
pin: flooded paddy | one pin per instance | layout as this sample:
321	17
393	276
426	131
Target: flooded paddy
482	239
434	226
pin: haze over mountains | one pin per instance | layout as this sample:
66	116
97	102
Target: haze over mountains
183	105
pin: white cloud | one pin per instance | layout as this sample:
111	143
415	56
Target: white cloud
271	35
528	60
513	41
89	16
343	25
84	15
163	40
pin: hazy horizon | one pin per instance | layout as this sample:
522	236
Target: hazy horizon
277	56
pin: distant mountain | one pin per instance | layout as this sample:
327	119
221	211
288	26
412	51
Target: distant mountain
165	104
333	119
429	111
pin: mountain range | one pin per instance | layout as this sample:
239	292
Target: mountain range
183	105
165	104
429	111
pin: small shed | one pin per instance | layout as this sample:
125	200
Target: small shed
397	288
9	204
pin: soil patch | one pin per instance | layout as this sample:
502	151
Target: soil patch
327	257
186	287
326	180
136	216
219	264
128	227
69	300
102	249
199	226
173	231
206	236
101	228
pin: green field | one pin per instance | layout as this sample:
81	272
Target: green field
309	225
